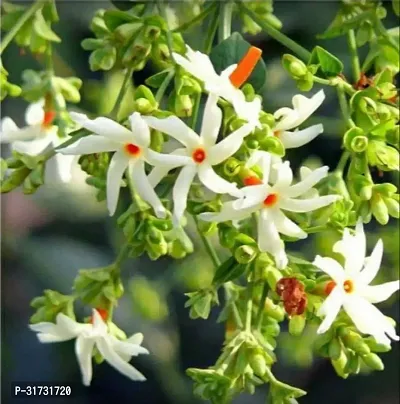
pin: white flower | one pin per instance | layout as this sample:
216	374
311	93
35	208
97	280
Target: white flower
289	119
351	287
199	154
116	352
132	150
270	201
200	66
35	138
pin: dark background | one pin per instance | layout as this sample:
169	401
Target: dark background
47	237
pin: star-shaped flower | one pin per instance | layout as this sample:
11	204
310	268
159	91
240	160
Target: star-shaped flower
289	119
226	84
35	138
350	287
88	336
132	150
270	201
200	154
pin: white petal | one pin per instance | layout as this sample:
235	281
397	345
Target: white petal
11	133
368	319
176	128
136	339
127	348
140	130
307	205
285	226
379	293
253	195
312	178
330	267
181	191
73	327
91	144
118	165
269	239
83	350
50	332
34	114
117	362
171	159
299	138
263	159
104	127
99	326
212	119
373	264
330	308
247	110
144	188
228	212
59	169
214	182
284	176
32	147
229	146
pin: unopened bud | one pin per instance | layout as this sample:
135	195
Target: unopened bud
373	361
296	325
258	364
245	254
359	144
379	209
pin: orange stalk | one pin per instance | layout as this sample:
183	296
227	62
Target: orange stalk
245	67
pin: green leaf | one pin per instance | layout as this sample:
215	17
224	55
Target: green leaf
115	18
157	79
231	51
330	65
42	29
396	7
3	169
228	271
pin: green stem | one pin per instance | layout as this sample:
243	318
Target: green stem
225	26
261	307
342	163
122	93
235	311
23	19
164	85
195	112
344	105
207	10
163	13
208	246
301	52
212	29
249	305
355	62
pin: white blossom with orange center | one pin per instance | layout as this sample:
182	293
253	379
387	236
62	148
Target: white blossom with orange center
271	201
115	351
289	119
350	287
200	154
226	84
132	151
39	135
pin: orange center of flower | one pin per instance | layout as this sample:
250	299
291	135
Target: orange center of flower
277	133
252	180
48	118
199	155
245	67
271	200
103	314
348	286
132	149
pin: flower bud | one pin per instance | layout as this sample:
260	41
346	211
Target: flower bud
367	105
340	364
373	361
273	310
393	136
355	342
393	207
143	106
335	349
273	276
124	32
353	364
375	346
384	112
295	67
350	135
176	249
379	209
385	189
15	179
296	325
251	143
245	254
232	167
183	106
227	236
273	145
267	119
359	144
305	84
257	363
157	140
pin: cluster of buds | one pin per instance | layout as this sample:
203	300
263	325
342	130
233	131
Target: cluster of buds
7	88
126	40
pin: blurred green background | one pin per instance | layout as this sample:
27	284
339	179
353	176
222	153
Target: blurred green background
48	237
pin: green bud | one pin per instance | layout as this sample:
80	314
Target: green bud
295	67
15	179
143	106
251	143
176	249
273	276
375	346
386	189
335	349
273	310
355	342
353	364
227	236
183	105
373	361
379	209
393	207
393	136
273	144
340	364
385	157
245	254
157	140
144	92
359	144
367	105
296	325
152	32
305	84
232	167
384	112
272	329
350	135
267	119
257	363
